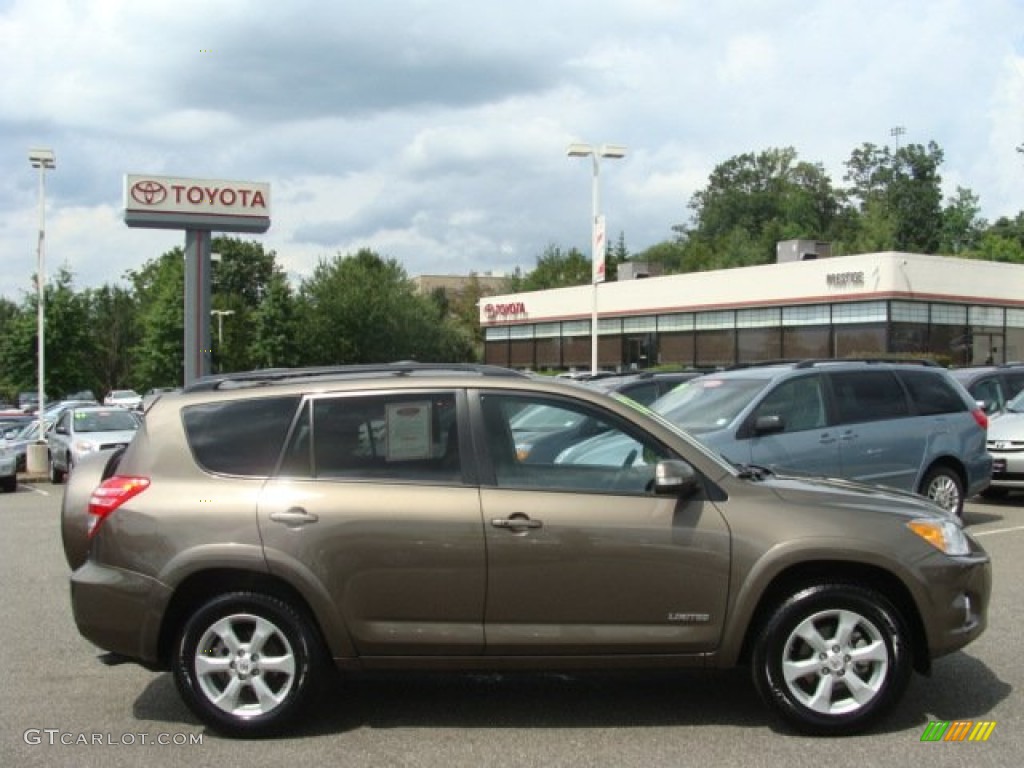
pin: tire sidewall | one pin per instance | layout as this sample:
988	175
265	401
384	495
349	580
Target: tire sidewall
768	656
299	635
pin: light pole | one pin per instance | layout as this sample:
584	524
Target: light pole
597	237
220	315
44	160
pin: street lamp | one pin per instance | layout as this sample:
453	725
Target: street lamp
220	314
597	235
44	160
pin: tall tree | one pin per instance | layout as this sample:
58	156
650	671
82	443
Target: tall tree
754	200
365	309
905	187
274	340
558	269
961	224
160	352
114	319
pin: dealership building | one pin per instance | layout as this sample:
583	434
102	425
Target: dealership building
806	304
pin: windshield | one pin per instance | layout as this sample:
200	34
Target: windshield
543	418
1017	404
104	421
708	403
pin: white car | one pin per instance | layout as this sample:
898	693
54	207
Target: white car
126	398
1006	444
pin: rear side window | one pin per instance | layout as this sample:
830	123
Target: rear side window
932	393
868	396
239	437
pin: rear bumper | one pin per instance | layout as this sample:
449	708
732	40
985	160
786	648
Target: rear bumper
119	611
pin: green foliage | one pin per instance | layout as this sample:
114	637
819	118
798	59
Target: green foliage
752	201
159	353
364	309
558	269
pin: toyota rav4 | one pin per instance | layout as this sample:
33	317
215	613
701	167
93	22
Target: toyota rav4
264	528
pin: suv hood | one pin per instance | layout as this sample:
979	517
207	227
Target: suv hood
818	491
1008	425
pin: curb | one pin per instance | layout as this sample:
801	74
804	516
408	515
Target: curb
33	477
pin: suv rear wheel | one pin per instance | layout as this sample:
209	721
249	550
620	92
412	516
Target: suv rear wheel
247	664
832	659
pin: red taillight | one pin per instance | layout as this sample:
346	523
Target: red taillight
110	495
981	417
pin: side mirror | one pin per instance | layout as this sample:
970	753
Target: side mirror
676	478
764	425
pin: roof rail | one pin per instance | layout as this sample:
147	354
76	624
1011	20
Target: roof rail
270	376
763	363
810	363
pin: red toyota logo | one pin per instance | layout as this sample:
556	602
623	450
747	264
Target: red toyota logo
149	192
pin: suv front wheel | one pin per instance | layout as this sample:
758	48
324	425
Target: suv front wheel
247	664
832	658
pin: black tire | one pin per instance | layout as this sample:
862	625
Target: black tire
56	475
9	484
205	666
943	485
848	622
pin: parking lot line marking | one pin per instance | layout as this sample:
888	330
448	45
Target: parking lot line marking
998	530
35	490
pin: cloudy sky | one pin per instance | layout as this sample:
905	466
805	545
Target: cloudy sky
435	132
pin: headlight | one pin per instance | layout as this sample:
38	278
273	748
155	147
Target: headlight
945	535
84	446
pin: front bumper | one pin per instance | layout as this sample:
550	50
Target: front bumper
1008	467
119	611
959	589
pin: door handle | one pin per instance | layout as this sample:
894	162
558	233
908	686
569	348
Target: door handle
516	523
295	516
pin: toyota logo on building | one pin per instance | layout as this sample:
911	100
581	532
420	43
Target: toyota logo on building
148	192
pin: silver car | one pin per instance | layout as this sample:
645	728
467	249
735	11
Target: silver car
8	468
85	430
1006	445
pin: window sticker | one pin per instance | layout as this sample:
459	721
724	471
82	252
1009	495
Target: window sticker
408	429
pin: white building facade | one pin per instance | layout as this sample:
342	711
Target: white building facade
957	311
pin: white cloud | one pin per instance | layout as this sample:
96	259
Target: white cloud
441	141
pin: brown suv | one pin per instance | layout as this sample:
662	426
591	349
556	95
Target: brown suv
263	527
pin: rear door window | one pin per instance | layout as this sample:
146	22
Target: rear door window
410	437
868	396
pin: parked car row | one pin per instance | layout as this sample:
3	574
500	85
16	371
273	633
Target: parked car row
72	429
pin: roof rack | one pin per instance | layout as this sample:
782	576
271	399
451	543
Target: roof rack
763	363
813	361
269	376
810	363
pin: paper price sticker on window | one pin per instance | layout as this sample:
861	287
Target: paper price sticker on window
408	431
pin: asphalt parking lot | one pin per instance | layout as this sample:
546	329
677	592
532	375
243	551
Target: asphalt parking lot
63	706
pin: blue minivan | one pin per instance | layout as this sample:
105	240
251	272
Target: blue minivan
909	426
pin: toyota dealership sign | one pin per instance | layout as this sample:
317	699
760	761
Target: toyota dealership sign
167	202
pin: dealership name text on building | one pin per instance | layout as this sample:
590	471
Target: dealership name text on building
843	279
504	311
